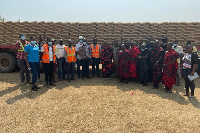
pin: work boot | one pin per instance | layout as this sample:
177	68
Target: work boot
37	87
34	88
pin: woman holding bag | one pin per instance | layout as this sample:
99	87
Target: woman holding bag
190	61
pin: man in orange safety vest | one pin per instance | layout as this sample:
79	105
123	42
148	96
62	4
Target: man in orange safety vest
48	60
95	56
70	58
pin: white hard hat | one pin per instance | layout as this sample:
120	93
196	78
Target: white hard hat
80	37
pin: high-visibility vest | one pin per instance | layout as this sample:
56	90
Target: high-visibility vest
45	56
21	45
95	52
70	54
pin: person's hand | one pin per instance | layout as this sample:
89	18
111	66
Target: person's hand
155	64
139	57
28	66
192	74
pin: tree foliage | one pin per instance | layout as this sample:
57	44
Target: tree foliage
1	18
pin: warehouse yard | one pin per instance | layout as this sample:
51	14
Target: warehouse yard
95	105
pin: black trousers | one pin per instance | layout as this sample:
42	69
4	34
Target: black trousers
95	63
61	68
70	70
23	69
188	83
85	67
78	67
48	70
39	70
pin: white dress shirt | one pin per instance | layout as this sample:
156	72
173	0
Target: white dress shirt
59	51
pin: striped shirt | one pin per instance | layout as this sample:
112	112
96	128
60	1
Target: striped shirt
20	54
187	61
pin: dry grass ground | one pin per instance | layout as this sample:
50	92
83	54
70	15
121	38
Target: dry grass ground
96	105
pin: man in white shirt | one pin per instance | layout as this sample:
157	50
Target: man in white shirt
85	50
78	55
60	59
179	50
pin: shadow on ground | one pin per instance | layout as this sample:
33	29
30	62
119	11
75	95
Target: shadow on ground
26	92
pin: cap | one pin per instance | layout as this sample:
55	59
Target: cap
143	44
61	41
84	40
49	39
53	40
80	37
20	35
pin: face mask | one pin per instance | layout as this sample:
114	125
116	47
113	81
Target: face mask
175	45
50	43
81	41
84	43
33	42
23	37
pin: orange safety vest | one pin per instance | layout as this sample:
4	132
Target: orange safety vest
70	54
45	56
95	52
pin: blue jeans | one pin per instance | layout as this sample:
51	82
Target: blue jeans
34	70
61	67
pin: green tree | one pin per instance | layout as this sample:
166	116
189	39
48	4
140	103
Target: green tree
1	18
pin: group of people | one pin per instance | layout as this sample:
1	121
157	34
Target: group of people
157	62
143	62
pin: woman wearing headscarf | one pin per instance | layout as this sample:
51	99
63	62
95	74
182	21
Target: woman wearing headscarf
170	66
157	55
107	65
123	67
133	53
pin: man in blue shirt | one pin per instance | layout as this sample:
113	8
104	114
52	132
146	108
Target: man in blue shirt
32	59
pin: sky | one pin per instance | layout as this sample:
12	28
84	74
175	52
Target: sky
101	10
